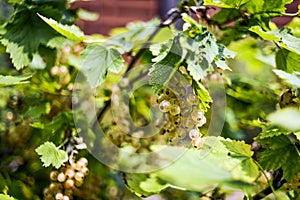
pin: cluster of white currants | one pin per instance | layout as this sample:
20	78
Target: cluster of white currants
65	181
181	115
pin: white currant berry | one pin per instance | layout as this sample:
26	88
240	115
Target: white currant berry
201	122
181	133
69	183
70	173
61	177
165	106
85	170
192	99
197	142
194	133
66	197
79	176
59	196
175	110
197	115
53	175
188	123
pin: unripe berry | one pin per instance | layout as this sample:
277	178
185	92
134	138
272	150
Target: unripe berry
53	175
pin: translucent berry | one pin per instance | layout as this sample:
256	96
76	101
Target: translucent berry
85	170
197	115
69	183
53	175
66	197
59	196
188	123
192	99
70	173
175	110
194	133
197	142
165	106
79	176
61	177
201	122
181	133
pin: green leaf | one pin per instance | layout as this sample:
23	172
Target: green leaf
6	197
87	15
226	3
14	80
50	154
282	36
271	132
162	71
287	61
144	185
199	170
287	118
241	151
37	62
291	79
203	96
202	49
96	60
72	32
34	32
18	57
280	152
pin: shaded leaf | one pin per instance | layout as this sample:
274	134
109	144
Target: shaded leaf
96	60
6	197
162	71
18	57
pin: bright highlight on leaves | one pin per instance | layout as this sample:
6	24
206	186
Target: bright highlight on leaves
14	80
288	118
72	32
6	197
292	79
96	60
50	154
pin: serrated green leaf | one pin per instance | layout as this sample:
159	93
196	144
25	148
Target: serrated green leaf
96	60
14	80
72	32
280	152
50	154
203	96
287	118
226	3
281	36
291	79
18	57
272	132
162	71
6	197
